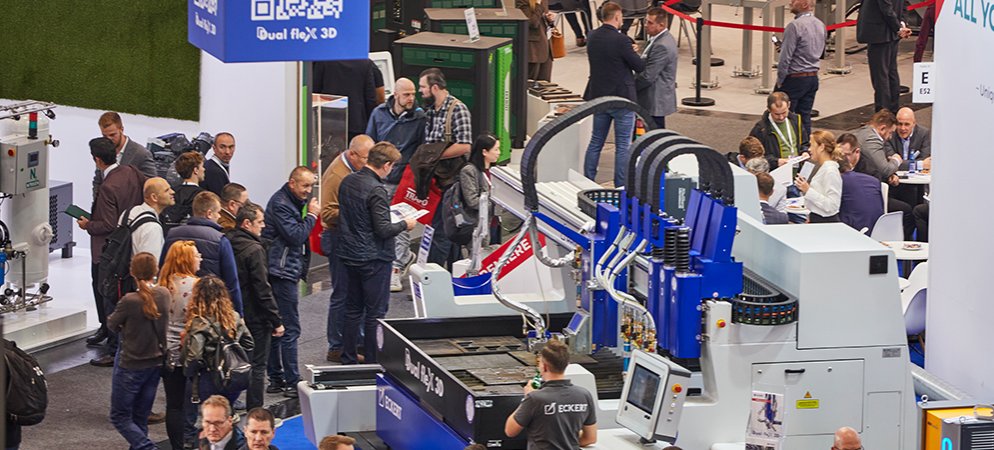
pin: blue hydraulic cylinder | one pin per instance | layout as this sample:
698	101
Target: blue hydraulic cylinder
684	322
602	308
656	300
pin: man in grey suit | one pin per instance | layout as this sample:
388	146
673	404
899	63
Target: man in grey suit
656	85
129	152
912	141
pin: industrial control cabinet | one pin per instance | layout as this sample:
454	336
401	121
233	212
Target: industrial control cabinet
23	165
477	73
509	23
59	198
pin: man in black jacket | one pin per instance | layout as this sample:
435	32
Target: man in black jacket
366	248
261	314
881	28
613	60
780	131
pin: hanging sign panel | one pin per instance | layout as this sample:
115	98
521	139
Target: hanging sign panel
280	30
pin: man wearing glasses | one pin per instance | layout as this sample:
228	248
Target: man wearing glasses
219	431
847	439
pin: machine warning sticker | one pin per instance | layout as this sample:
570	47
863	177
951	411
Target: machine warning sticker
808	404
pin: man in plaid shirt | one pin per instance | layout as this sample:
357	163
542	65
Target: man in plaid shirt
437	100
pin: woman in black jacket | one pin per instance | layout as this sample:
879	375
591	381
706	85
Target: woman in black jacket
140	319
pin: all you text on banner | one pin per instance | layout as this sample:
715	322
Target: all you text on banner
280	30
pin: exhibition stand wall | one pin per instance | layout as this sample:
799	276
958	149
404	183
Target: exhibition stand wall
962	244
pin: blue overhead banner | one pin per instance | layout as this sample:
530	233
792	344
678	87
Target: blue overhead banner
280	30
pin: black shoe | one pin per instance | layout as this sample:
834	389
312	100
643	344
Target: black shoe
275	387
103	361
290	392
98	338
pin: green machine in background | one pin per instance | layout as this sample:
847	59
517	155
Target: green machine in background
477	73
509	23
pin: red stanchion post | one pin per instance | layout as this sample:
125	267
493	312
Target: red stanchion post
697	100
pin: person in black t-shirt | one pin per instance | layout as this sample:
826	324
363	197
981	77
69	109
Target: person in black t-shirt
559	416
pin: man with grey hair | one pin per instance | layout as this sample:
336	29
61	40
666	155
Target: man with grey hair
847	439
797	70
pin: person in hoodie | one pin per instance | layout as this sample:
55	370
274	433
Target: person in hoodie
400	122
261	314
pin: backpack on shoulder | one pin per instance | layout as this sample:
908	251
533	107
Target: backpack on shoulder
114	265
456	224
27	390
230	365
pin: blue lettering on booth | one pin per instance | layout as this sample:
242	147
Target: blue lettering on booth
280	30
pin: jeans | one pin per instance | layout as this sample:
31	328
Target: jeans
801	91
174	383
131	397
368	293
336	304
624	127
261	333
283	355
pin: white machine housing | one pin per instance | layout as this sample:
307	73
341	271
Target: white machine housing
653	397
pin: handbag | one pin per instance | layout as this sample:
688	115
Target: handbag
427	160
407	193
558	43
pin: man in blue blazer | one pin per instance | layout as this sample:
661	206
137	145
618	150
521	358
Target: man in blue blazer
613	60
656	86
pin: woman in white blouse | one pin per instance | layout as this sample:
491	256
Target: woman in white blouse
823	194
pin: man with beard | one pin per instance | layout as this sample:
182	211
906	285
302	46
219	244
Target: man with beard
441	104
402	123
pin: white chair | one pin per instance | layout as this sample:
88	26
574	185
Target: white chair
914	301
889	227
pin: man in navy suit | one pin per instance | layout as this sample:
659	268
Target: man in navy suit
613	60
862	201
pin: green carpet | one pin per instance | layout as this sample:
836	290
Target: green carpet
129	57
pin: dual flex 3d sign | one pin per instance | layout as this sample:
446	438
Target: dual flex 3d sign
280	30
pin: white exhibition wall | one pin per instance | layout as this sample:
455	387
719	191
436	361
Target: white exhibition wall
961	231
256	102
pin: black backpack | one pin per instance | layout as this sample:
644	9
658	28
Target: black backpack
114	265
230	366
456	224
27	390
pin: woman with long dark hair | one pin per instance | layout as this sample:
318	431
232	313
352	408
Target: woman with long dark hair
140	320
474	178
178	275
208	312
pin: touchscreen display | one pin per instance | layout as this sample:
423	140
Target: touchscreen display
643	390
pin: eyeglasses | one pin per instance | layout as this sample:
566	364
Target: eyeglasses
217	424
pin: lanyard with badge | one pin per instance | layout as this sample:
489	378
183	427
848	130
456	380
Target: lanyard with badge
789	140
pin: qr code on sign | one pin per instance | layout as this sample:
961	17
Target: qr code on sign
296	9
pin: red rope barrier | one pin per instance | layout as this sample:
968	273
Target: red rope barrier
921	5
742	26
836	26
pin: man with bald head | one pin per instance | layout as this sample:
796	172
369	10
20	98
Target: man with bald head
800	53
847	439
400	122
350	161
912	141
148	237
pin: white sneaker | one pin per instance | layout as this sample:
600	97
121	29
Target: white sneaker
395	285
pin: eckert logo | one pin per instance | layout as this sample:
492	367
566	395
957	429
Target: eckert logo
388	404
552	408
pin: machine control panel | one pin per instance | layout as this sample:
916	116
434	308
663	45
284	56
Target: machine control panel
23	165
653	396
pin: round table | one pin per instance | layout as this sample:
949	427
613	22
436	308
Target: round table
916	178
902	254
